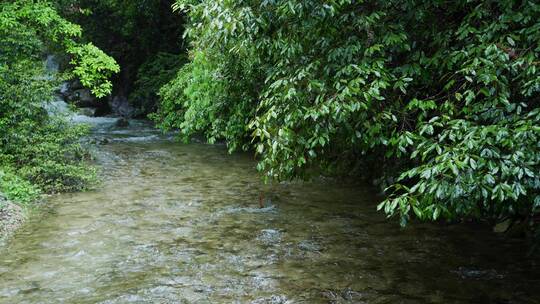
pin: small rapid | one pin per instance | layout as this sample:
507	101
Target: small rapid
181	223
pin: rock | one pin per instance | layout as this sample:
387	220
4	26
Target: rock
274	299
64	89
73	92
502	226
87	111
478	274
81	98
269	236
120	106
122	123
67	88
75	85
309	246
346	295
11	217
97	140
84	98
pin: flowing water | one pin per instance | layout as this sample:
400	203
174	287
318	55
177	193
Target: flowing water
176	223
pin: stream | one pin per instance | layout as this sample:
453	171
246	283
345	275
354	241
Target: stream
181	223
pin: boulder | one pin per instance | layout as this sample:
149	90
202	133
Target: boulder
122	123
502	226
63	90
67	88
84	98
75	85
120	106
87	111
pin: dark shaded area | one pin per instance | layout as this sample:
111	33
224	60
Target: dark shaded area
137	34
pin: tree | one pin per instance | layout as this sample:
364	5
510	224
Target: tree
145	37
39	152
441	98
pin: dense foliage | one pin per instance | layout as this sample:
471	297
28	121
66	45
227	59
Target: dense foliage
145	37
441	98
38	152
153	74
437	100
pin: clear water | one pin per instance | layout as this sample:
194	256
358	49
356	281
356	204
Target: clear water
175	223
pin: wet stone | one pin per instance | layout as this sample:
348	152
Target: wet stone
122	123
274	299
309	246
478	274
269	237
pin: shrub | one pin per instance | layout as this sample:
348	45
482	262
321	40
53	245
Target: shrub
39	152
441	98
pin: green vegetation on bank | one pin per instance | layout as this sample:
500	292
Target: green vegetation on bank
145	37
440	98
40	153
437	101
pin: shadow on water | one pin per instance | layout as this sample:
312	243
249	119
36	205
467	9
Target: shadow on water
176	223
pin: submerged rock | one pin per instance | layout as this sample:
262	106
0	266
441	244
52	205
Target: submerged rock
269	236
274	299
309	246
346	295
502	226
122	123
271	209
478	274
89	111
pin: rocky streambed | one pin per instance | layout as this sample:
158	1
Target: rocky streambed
176	223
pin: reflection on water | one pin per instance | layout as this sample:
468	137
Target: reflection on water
176	223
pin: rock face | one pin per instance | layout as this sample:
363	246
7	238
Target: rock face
11	217
120	106
75	93
87	111
84	98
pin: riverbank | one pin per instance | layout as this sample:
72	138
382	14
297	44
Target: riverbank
12	217
181	223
